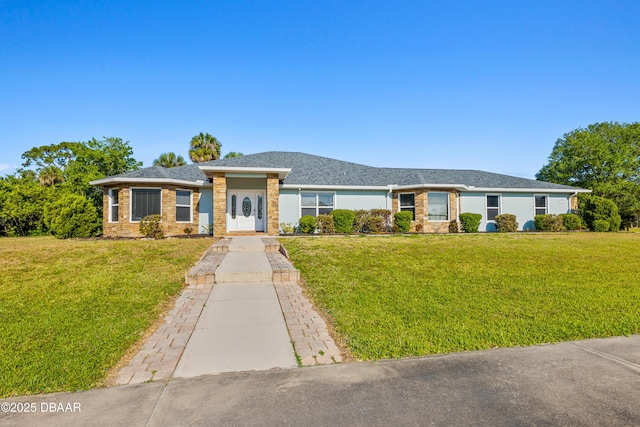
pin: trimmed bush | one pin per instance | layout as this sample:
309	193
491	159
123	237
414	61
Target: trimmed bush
151	227
601	225
571	221
72	215
287	228
595	208
548	222
374	224
402	221
506	223
470	222
308	224
343	220
360	220
385	214
325	224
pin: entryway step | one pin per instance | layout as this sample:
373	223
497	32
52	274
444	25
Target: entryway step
244	267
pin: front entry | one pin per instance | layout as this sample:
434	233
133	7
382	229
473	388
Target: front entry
245	210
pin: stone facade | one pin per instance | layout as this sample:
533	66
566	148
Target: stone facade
124	227
273	197
421	221
573	202
219	204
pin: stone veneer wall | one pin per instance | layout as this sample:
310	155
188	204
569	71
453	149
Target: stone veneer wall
273	200
422	209
573	202
125	228
219	204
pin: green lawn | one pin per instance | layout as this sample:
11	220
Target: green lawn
70	309
416	295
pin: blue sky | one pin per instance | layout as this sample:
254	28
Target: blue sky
484	85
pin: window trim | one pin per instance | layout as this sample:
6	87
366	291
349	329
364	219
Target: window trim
317	205
448	194
546	204
486	206
414	203
113	191
190	205
131	220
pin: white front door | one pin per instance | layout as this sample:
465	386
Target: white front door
245	211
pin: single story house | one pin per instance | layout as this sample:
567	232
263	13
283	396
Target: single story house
257	192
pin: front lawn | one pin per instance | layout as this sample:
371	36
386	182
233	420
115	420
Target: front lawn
404	296
70	309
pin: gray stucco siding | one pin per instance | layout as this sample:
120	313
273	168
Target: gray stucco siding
343	199
522	205
205	210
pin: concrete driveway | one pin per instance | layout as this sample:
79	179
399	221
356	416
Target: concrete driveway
585	383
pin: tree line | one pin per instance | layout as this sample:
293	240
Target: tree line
51	193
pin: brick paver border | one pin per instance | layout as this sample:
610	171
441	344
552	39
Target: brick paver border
159	356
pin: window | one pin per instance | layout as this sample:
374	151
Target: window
438	206
493	207
145	201
183	206
234	199
114	205
541	205
408	203
315	204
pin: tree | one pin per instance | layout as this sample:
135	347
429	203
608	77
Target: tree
595	208
231	154
169	160
604	157
204	147
22	204
72	215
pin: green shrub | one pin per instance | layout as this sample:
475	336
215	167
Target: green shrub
595	208
506	223
325	224
72	215
151	227
571	221
308	224
385	214
287	228
359	222
601	225
402	221
470	222
548	222
343	220
374	224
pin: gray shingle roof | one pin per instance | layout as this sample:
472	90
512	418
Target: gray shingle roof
308	169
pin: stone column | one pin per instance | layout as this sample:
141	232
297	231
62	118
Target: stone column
219	204
273	200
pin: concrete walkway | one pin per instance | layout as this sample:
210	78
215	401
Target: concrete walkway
242	310
241	327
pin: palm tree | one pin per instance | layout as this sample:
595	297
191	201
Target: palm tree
50	176
204	148
233	154
169	160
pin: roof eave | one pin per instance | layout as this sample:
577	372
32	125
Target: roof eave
282	172
125	180
334	187
526	190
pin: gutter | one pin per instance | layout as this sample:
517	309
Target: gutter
119	180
